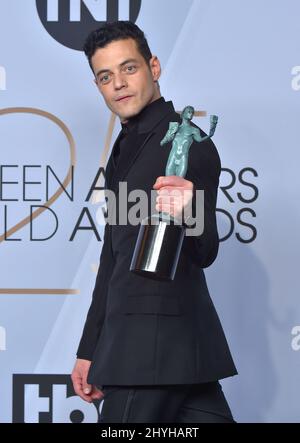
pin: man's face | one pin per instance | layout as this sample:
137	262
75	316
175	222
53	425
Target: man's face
121	71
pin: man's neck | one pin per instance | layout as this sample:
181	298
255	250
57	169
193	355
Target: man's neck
125	121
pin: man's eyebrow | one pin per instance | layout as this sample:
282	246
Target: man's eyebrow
129	60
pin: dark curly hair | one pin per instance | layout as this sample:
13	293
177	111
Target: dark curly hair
118	30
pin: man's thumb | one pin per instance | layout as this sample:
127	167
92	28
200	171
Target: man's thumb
87	389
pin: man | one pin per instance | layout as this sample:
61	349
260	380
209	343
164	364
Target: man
155	350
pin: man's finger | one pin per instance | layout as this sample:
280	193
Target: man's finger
77	385
168	199
169	180
87	389
170	190
96	393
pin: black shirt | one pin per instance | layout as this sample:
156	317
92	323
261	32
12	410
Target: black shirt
132	125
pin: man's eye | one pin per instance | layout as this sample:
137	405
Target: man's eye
104	79
131	68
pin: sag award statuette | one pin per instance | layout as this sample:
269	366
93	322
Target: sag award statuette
159	241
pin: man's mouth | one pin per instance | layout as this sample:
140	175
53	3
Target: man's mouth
125	98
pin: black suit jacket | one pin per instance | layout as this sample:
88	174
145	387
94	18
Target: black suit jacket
142	331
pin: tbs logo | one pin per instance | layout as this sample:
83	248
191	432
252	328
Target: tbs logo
49	399
70	21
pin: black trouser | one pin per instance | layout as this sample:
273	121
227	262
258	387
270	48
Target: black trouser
198	403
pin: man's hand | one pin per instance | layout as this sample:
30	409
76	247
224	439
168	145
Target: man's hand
79	378
174	194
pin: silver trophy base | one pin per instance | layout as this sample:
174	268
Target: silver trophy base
157	248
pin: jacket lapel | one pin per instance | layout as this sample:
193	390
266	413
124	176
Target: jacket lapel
130	151
110	166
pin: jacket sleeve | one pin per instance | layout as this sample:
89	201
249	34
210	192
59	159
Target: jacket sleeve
95	317
204	168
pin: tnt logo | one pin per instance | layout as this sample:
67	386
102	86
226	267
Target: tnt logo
49	399
2	79
70	21
2	338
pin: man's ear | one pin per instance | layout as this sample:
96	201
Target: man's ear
155	67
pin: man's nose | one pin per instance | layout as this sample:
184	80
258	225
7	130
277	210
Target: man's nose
119	81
